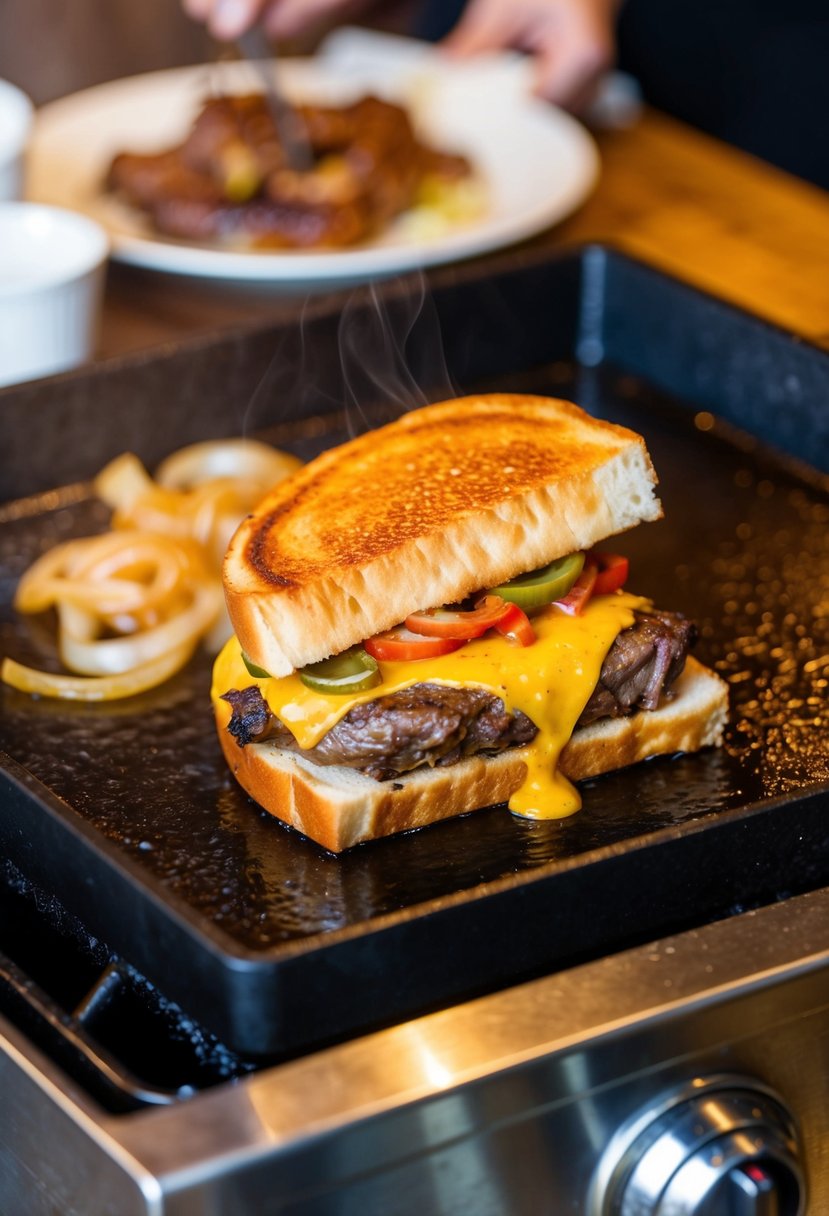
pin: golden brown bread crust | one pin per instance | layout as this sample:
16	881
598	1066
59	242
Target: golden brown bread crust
444	501
299	793
339	808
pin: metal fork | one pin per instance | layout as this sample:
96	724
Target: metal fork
290	128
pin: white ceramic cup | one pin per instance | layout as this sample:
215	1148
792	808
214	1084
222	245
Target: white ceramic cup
16	114
51	277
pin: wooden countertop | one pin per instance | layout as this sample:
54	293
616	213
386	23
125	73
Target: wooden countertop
686	203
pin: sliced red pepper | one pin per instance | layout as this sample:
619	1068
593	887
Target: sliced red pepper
577	597
611	571
400	645
516	625
440	623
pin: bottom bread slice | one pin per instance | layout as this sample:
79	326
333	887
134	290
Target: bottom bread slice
339	807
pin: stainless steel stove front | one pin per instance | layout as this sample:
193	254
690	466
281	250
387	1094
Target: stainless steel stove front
544	1099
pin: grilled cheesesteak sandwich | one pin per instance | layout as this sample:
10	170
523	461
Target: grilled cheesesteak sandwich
543	669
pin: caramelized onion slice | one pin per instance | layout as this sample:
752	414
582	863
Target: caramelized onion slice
133	603
115	573
122	482
200	493
245	459
112	656
96	688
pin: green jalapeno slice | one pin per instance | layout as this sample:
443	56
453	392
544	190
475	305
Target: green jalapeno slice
258	673
540	587
352	671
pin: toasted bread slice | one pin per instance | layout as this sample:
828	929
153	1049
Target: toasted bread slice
445	501
339	807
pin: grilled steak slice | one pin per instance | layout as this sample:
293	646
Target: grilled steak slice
424	724
435	724
641	665
252	720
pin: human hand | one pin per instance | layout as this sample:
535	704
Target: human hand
572	41
227	19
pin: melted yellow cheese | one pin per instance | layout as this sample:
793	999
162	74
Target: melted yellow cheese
550	681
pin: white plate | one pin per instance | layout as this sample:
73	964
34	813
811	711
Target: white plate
537	163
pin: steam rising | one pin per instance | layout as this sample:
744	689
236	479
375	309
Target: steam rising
382	357
391	354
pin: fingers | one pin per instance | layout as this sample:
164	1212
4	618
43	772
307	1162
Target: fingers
570	64
572	40
291	18
226	19
486	25
199	10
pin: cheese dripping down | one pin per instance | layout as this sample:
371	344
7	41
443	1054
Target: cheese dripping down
550	681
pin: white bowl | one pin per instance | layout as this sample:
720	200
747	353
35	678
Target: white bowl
16	114
51	276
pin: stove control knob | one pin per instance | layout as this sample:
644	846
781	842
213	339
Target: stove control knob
722	1146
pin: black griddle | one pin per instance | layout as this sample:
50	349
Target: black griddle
129	815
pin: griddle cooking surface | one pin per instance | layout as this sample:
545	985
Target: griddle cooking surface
744	549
